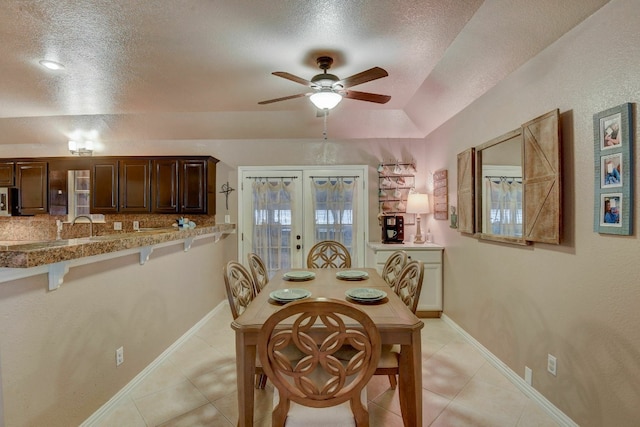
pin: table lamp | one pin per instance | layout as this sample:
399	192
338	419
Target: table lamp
418	204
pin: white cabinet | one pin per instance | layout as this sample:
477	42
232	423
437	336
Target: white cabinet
430	302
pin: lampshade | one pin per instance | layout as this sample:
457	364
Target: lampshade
418	203
326	98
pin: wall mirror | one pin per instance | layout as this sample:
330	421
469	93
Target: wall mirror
499	195
516	182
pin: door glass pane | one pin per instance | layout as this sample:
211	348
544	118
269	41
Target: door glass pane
334	210
273	211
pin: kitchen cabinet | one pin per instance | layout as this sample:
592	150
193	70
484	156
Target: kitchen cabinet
165	186
104	186
185	185
32	181
141	184
135	185
430	301
6	174
193	186
121	185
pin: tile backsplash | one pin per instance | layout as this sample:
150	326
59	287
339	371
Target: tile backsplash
43	227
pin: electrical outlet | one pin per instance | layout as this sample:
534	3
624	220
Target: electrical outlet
528	375
136	225
552	364
117	225
119	356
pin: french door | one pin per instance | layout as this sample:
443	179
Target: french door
284	211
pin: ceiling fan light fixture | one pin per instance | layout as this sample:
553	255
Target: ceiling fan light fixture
325	99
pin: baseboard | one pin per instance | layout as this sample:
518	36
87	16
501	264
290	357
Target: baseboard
555	413
115	400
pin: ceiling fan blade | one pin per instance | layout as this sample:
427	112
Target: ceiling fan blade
293	78
363	77
366	96
284	98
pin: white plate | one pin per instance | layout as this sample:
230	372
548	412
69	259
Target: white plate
366	294
352	275
299	275
286	295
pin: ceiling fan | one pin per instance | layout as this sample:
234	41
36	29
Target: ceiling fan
328	89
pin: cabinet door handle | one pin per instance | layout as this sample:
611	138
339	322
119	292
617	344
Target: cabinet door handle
298	247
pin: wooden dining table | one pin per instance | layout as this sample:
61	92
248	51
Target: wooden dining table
396	323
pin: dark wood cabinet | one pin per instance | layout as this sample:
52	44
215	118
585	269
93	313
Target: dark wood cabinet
135	186
104	186
193	186
158	184
185	185
32	181
165	186
6	174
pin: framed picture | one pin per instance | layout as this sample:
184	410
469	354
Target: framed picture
611	170
611	132
613	154
610	208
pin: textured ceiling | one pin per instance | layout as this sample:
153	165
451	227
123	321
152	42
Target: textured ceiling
196	69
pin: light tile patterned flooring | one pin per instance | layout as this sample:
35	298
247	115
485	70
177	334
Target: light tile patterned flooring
196	386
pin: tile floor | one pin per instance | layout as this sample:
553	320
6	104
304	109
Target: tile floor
196	386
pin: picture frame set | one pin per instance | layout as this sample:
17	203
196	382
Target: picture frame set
613	150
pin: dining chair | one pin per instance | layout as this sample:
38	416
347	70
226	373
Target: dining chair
240	287
328	254
258	271
409	284
319	389
240	291
394	265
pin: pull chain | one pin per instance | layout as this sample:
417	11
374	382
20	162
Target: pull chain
324	132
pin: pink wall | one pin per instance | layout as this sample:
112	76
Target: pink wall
577	301
58	347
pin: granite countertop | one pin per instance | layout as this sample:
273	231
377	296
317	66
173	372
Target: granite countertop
25	254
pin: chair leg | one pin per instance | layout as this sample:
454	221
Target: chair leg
392	380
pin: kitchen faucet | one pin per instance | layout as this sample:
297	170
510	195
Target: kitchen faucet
90	223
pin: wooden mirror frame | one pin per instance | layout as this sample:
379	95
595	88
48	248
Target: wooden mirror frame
542	183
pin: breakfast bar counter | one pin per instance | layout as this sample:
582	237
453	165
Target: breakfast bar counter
23	259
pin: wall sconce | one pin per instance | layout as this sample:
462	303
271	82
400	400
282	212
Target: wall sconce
81	148
418	204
